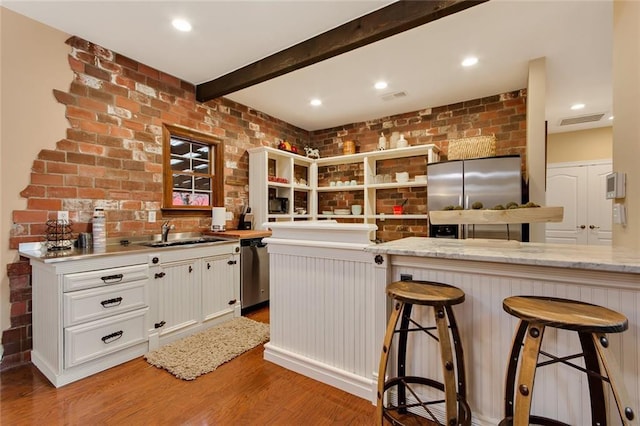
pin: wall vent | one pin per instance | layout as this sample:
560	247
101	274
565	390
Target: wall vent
392	96
582	119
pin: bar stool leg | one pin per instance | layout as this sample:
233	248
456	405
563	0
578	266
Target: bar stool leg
384	358
524	393
611	368
510	385
457	344
402	354
446	356
596	385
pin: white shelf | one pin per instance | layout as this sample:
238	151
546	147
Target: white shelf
341	188
287	165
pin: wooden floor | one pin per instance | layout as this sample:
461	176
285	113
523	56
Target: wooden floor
245	391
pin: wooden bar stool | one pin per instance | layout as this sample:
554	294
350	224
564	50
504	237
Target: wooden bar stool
591	322
441	297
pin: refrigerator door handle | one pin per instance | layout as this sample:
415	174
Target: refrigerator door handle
466	202
460	200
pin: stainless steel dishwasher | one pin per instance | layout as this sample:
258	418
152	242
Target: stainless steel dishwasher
254	272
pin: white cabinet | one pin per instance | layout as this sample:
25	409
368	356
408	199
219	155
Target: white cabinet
88	315
276	174
580	189
91	313
178	287
220	292
193	289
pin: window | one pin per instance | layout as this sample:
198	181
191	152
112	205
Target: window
192	170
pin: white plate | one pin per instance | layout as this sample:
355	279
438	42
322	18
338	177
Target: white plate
342	211
327	212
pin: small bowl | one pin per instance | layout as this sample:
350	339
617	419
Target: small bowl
342	211
327	212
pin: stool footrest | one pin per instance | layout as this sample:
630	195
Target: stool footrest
534	420
464	414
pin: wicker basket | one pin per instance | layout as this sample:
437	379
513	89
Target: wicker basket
475	147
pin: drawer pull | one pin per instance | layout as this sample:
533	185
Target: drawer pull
208	265
112	337
231	262
232	302
160	275
111	303
159	324
190	269
110	279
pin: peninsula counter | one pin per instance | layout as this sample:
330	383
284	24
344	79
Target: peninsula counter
329	309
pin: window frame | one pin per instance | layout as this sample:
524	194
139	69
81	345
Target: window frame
216	170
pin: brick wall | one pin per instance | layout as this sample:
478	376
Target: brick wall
502	115
16	341
112	155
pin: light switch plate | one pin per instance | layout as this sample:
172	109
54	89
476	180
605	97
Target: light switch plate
63	215
152	216
229	216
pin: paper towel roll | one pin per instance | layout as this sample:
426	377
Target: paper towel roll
218	218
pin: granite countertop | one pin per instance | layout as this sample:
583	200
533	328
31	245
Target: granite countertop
600	258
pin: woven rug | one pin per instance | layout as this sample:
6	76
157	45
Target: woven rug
202	353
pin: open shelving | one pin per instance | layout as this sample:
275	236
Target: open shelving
266	161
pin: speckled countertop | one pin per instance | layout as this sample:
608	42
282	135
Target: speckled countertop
600	258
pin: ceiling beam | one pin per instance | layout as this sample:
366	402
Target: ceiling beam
382	23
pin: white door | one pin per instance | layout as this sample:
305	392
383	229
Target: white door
580	189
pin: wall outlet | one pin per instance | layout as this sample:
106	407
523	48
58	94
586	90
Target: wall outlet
63	215
229	216
152	216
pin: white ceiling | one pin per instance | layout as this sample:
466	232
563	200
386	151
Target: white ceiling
574	35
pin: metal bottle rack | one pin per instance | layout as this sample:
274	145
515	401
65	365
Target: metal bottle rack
59	235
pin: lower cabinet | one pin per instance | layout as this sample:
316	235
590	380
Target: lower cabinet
220	294
191	290
94	312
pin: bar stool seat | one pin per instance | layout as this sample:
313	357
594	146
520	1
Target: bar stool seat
591	322
417	407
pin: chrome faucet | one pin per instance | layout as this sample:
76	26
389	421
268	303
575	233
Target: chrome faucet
166	227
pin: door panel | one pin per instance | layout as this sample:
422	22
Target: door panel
587	214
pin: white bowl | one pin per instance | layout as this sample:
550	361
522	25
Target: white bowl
341	211
327	212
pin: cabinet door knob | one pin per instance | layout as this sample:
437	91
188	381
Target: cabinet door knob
593	227
208	265
580	227
190	268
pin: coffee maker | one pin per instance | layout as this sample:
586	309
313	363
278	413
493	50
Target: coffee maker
246	219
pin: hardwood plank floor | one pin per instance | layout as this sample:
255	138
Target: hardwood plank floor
245	391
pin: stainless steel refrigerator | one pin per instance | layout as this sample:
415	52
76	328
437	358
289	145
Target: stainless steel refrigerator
490	181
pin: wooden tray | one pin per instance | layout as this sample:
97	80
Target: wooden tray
491	217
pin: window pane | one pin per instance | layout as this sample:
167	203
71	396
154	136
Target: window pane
200	166
203	184
182	181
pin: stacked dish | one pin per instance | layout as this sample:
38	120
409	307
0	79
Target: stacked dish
342	211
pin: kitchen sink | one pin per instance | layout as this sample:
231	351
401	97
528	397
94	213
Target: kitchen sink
184	242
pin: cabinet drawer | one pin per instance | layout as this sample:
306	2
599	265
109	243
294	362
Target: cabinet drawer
99	338
101	277
92	304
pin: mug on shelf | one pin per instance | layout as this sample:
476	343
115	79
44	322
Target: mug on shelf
356	209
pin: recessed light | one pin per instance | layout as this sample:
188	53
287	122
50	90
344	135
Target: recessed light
577	106
470	61
381	85
611	118
315	102
181	25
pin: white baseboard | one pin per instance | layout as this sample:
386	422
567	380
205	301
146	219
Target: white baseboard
324	373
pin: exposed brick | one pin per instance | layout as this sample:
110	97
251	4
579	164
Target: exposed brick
50	155
33	191
62	168
80	113
64	98
81	136
61	192
148	71
92	193
78	181
48	204
78	158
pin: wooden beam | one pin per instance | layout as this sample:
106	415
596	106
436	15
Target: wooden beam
390	20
